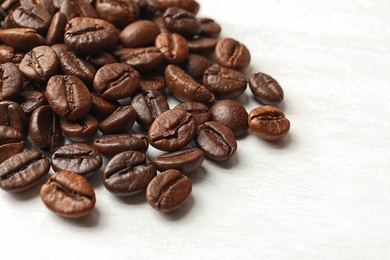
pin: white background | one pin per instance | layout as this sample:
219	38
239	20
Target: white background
323	192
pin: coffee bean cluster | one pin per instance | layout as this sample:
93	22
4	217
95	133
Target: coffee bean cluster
87	71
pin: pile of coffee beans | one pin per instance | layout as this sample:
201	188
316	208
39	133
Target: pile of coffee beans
87	71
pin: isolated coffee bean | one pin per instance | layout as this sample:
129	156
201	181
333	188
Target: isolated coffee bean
55	33
80	130
12	114
111	145
22	39
266	89
231	54
180	21
11	79
268	122
23	170
141	33
120	121
198	110
186	160
29	100
168	190
173	46
68	194
120	13
73	65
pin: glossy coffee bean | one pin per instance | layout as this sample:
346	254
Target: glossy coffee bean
199	111
80	158
73	65
102	108
141	33
231	54
31	15
29	100
111	145
11	79
266	89
202	45
22	39
55	33
216	141
181	21
209	28
128	173
23	170
268	122
168	190
173	46
68	194
118	12
186	160
12	114
143	59
172	130
152	81
80	130
120	121
9	54
11	142
195	65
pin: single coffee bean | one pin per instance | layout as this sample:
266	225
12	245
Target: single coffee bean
80	158
216	141
141	33
180	21
12	114
100	59
102	108
202	45
173	46
9	54
224	82
79	8
268	122
172	130
23	39
185	88
120	121
148	105
128	172
116	81
39	64
231	54
199	111
29	100
186	160
142	59
168	190
189	5
209	28
68	97
68	194
195	65
11	142
152	81
73	65
23	170
111	145
80	130
44	129
31	15
11	79
118	12
56	31
232	114
266	89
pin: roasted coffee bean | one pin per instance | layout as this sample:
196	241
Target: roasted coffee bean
202	45
60	48
268	122
266	89
9	54
173	46
31	15
102	108
172	130
100	59
23	39
39	64
44	129
68	194
168	190
68	97
149	105
189	5
199	111
128	173
209	28
56	31
9	5
111	145
152	81
195	65
11	79
12	114
120	121
224	82
23	170
232	114
116	81
216	141
159	21
73	65
142	59
141	33
11	142
185	88
80	158
180	21
29	100
77	8
231	54
80	130
186	160
118	12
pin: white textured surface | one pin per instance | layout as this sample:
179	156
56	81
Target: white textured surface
323	192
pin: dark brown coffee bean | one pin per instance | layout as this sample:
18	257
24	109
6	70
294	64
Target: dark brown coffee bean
23	170
9	5
39	64
100	59
77	8
172	130
224	82
266	89
149	105
180	21
142	59
56	31
173	46
23	39
152	81
11	142
12	114
29	100
11	79
199	111
9	54
268	122
141	33
80	158
78	67
159	21
189	5
60	48
209	28
195	65
111	145
68	97
118	12
34	16
185	88
120	121
168	190
44	129
128	173
231	114
80	130
202	45
187	160
216	141
102	108
68	194
231	54
116	81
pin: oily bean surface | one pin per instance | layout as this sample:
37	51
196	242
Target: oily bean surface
186	160
111	145
231	54
266	89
